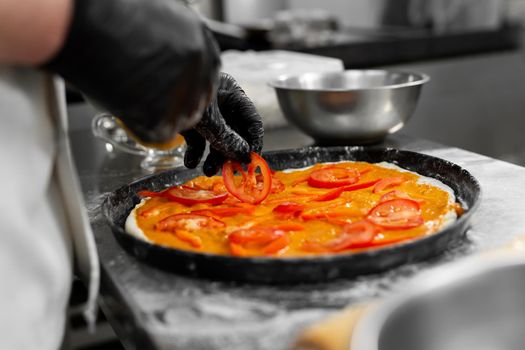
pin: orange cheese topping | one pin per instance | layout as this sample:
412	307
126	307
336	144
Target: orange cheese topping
319	222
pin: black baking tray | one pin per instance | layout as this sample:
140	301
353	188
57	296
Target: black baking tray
119	203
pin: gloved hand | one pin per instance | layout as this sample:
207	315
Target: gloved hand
151	63
232	126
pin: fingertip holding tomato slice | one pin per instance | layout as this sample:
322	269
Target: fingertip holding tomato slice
396	214
388	182
252	189
333	177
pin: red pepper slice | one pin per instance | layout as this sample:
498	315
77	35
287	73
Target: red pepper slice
289	208
238	250
338	191
147	193
189	237
189	196
278	245
388	182
250	189
156	210
271	240
397	194
188	222
277	185
254	235
359	234
333	177
355	235
396	214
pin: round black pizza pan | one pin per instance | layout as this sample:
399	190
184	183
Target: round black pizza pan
118	205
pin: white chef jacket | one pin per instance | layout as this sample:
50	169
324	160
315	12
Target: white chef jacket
43	225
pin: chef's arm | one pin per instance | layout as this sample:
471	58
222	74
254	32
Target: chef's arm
152	63
32	31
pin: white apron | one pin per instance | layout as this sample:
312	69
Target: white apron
43	223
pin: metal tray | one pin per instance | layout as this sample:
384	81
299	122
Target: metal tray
118	204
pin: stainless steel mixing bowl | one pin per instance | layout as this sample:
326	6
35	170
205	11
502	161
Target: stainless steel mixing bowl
350	107
478	305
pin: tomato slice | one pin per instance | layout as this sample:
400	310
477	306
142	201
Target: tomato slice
277	185
333	177
189	196
359	234
156	210
289	208
380	240
147	193
278	245
272	240
338	191
388	182
189	237
397	214
188	222
254	235
397	194
252	189
238	250
355	235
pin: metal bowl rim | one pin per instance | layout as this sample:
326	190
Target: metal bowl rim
368	329
277	83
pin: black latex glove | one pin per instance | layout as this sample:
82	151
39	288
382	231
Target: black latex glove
151	63
232	126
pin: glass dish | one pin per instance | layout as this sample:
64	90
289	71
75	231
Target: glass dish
106	128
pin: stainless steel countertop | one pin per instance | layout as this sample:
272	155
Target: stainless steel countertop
151	308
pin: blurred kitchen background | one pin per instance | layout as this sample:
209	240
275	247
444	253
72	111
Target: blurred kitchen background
470	48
